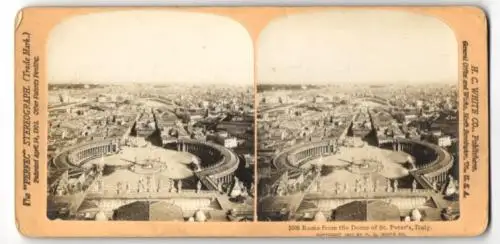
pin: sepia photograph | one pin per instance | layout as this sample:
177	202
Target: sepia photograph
257	121
150	118
357	117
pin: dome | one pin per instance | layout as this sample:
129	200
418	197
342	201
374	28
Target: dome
416	215
199	216
319	217
451	188
236	191
101	216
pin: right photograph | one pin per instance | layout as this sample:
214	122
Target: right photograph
357	117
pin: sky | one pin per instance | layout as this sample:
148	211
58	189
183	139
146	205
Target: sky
150	46
357	46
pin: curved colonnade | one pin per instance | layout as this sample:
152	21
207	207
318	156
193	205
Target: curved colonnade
296	156
218	163
432	162
75	156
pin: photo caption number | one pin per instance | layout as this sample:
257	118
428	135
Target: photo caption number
293	227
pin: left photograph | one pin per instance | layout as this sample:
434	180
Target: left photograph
150	118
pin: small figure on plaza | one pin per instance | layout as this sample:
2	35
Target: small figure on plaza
198	187
414	186
396	185
346	187
318	186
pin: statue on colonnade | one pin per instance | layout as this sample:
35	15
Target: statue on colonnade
451	188
389	187
434	185
198	187
219	187
159	185
179	186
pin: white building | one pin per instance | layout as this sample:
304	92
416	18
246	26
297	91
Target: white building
444	141
230	142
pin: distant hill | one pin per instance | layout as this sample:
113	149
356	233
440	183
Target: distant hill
271	87
73	86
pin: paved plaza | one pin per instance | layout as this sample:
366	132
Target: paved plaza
158	164
354	166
